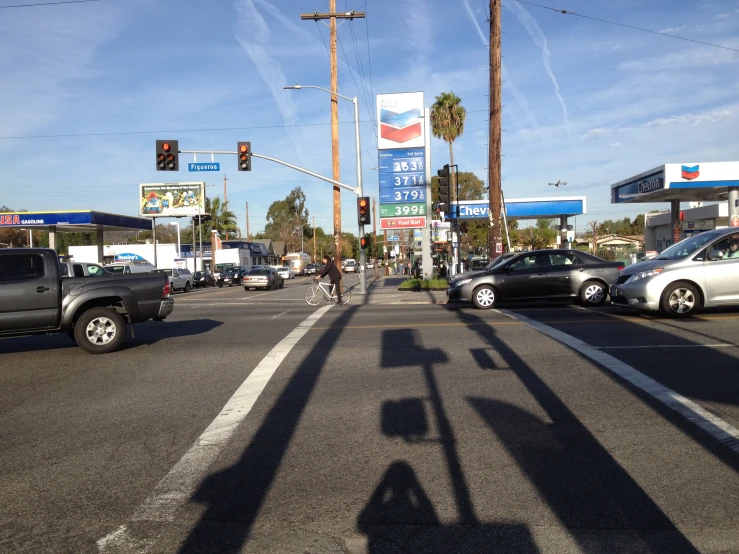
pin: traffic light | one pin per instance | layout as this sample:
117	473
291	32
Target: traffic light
444	189
363	210
364	243
243	150
168	155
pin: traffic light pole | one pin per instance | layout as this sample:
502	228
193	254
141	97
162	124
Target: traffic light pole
362	251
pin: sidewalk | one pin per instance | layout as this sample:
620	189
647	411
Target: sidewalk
384	290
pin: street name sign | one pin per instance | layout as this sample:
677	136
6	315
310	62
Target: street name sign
204	166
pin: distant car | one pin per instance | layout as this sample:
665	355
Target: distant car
311	269
179	279
263	278
285	272
127	269
82	269
700	271
232	276
351	267
370	264
537	275
203	279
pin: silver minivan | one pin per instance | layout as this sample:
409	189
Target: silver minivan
700	271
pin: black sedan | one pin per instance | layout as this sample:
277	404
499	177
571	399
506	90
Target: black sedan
232	276
537	275
203	279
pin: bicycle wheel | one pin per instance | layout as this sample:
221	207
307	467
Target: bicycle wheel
314	295
346	295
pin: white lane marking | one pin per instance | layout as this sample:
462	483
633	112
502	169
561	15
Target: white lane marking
279	315
721	345
180	483
711	424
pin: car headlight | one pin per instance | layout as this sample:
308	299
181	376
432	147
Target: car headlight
461	282
646	274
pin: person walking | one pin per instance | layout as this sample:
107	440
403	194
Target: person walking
334	276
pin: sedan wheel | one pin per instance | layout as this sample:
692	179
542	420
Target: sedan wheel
680	300
593	293
484	297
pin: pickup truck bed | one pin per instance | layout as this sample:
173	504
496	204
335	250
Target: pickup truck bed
94	311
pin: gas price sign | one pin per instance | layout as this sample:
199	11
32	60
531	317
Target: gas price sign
402	175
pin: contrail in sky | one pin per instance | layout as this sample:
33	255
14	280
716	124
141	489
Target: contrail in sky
537	35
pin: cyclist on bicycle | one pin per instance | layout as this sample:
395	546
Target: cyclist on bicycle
334	275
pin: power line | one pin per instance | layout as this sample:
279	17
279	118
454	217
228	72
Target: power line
47	4
567	12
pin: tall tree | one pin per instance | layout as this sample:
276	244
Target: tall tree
221	218
539	236
286	218
447	123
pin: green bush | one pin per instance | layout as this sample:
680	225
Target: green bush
424	284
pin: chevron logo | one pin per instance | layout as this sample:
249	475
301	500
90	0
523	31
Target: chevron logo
690	172
400	127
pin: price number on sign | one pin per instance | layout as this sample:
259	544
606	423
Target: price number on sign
413	209
407	165
409	195
408	180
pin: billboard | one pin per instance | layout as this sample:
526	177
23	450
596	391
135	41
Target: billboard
440	230
171	199
400	120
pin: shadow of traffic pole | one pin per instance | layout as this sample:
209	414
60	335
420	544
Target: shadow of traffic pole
411	353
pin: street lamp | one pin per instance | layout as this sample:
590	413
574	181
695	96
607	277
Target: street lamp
179	249
354	100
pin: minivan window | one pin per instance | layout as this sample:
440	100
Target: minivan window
21	267
685	248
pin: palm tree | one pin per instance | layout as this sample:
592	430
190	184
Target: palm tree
221	218
447	123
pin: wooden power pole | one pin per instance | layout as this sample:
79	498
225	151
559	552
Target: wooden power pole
332	16
495	238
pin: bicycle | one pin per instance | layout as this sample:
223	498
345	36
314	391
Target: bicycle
320	291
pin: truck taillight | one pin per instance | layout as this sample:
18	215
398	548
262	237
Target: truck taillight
166	290
620	267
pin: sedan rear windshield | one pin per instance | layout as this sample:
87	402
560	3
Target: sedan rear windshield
259	272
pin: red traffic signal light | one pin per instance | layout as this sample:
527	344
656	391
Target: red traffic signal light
243	151
168	154
363	210
364	243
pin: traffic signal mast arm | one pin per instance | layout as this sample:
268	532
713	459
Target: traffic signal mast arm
271	159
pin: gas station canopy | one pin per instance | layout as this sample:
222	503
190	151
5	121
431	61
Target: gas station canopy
525	208
85	221
691	182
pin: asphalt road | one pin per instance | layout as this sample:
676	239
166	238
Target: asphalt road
252	422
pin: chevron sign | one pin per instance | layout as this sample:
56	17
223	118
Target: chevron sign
400	120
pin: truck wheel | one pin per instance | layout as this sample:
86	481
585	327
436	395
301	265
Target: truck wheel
100	330
187	286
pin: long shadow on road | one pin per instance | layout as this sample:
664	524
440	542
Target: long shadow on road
234	496
575	475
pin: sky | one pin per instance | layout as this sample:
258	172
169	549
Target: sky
87	88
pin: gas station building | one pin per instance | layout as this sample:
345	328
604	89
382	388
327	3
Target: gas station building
675	183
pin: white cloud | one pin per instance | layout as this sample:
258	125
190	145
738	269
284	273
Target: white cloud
594	134
670	30
689	120
616	145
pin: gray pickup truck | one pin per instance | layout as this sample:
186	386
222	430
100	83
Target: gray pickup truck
94	311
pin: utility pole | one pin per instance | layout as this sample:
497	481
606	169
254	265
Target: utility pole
314	239
332	16
374	232
495	240
225	199
248	233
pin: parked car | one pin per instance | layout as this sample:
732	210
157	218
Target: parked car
351	267
180	279
203	279
93	311
537	275
122	268
82	269
370	264
700	271
263	278
285	272
232	276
